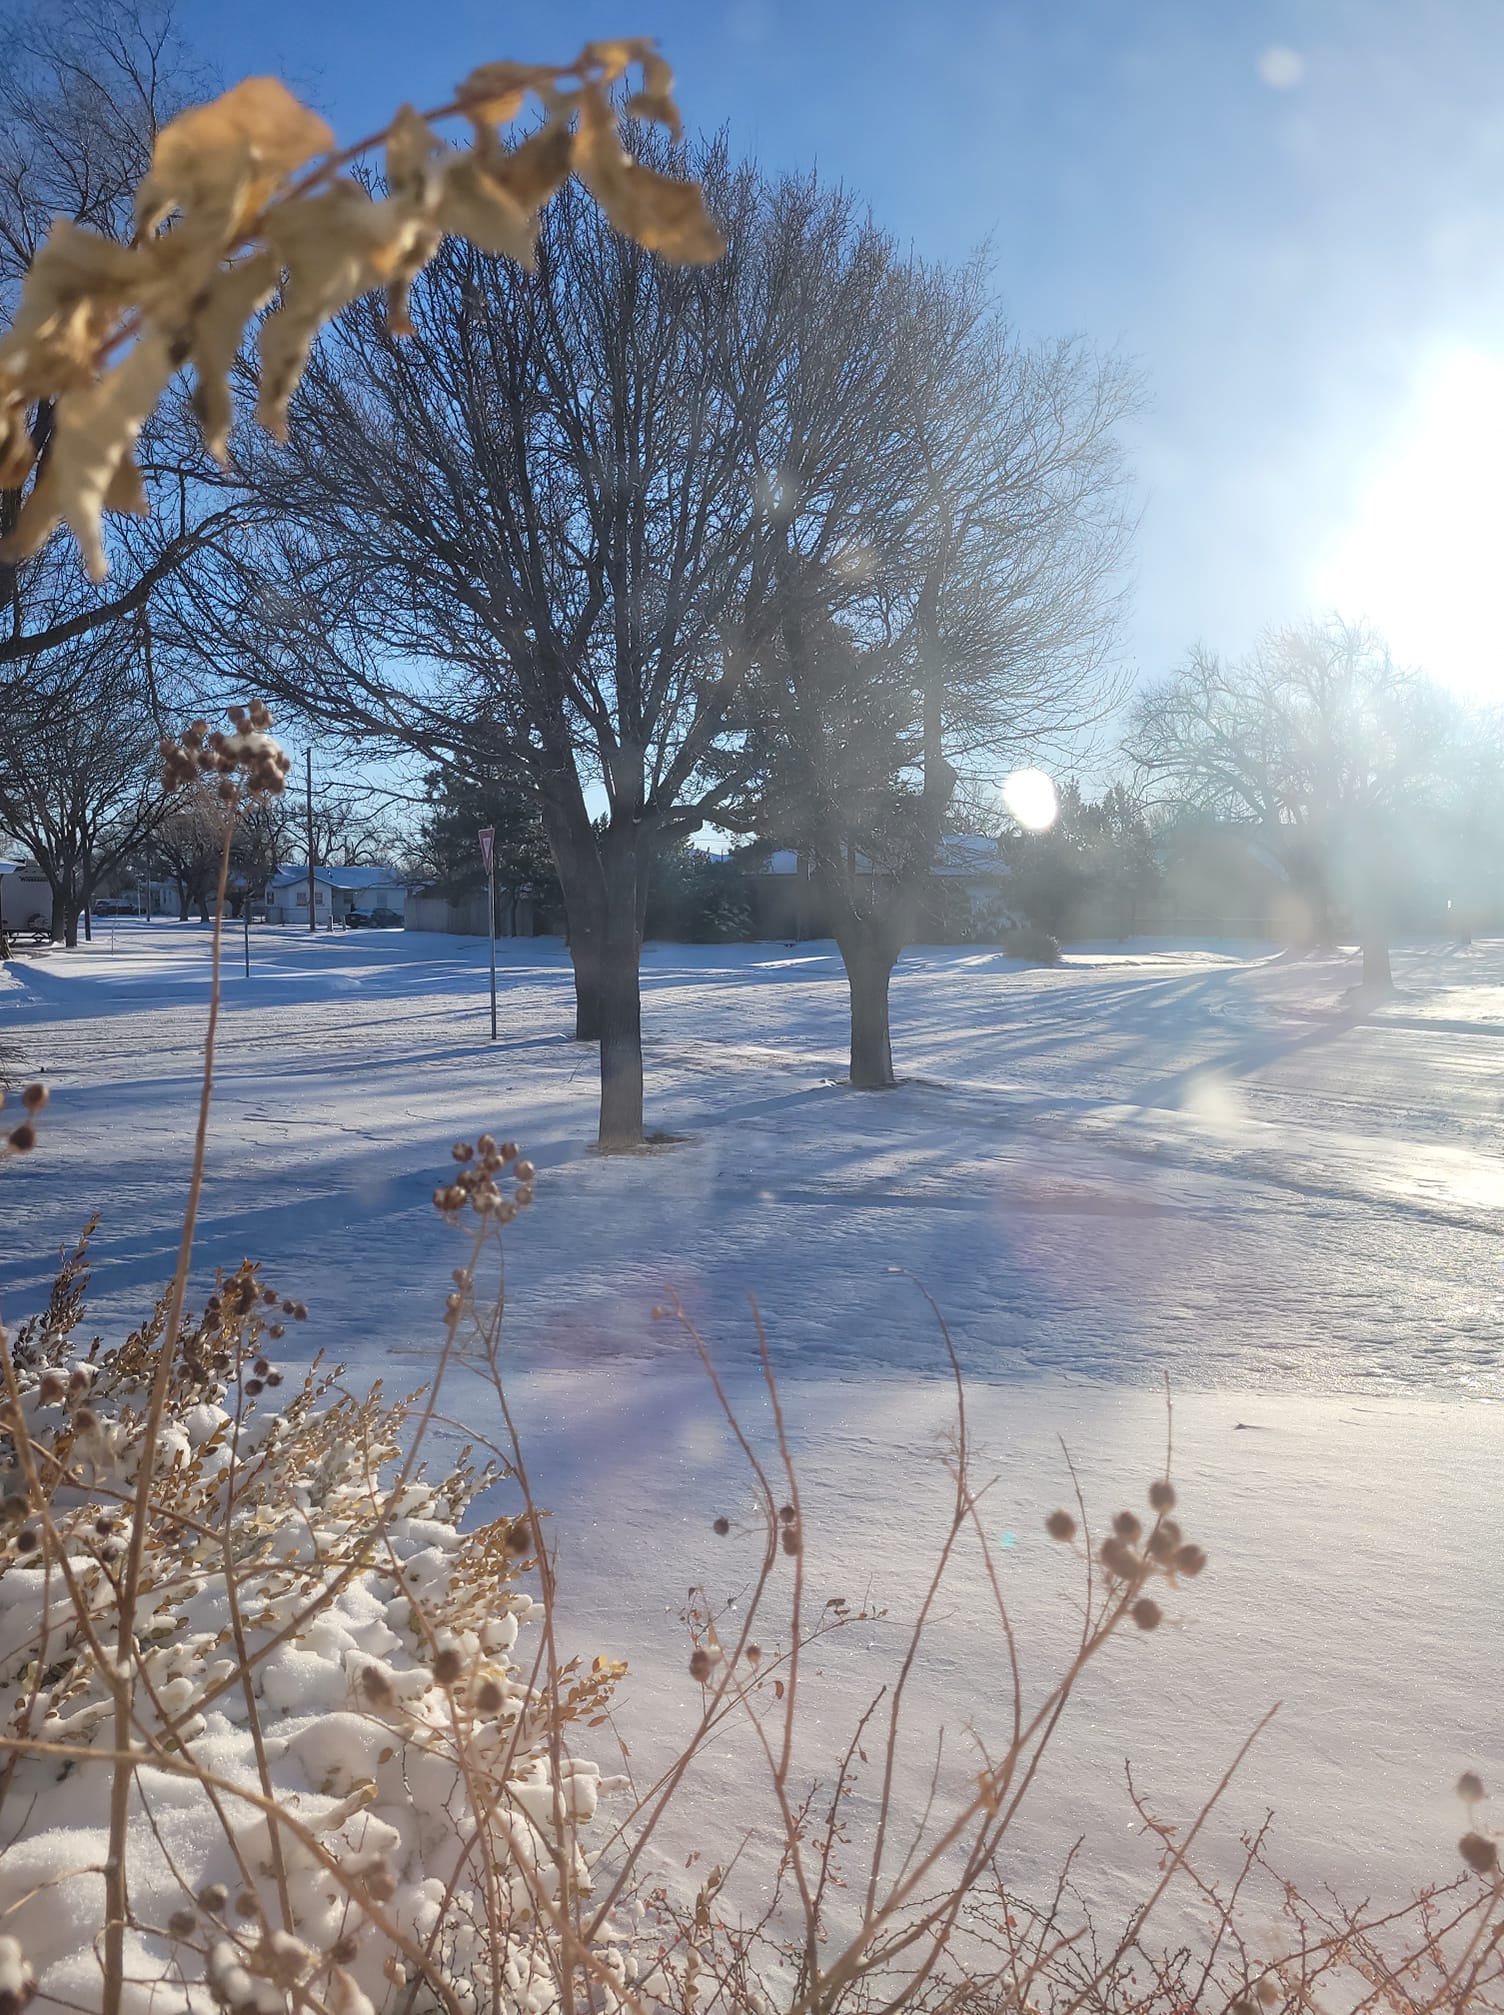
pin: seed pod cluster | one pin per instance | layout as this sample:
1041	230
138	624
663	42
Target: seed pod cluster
22	1137
1131	1556
246	758
476	1187
222	1343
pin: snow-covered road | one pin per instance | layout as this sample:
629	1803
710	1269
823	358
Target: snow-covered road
1206	1163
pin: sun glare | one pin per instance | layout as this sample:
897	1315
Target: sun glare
1030	797
1420	558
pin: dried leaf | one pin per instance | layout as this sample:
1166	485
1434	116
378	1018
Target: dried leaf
94	431
476	206
655	100
532	171
213	340
127	492
219	166
496	91
414	153
334	248
614	59
416	160
77	286
660	213
662	111
225	158
424	242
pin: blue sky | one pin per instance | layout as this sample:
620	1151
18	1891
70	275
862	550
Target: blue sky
1291	215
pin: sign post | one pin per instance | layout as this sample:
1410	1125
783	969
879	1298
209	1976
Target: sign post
313	922
487	838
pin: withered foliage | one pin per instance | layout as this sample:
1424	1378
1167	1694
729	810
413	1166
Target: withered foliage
244	205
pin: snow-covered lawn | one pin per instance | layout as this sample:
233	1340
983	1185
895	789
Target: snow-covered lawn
1150	1160
1158	1159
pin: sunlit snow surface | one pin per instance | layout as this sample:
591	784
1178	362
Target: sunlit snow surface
1218	1164
1172	1159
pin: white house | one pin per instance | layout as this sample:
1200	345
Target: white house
25	899
786	906
336	891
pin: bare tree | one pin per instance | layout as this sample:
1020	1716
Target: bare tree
1338	757
352	827
537	537
971	620
85	86
80	784
188	840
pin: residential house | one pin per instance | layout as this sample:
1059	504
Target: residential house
967	895
336	891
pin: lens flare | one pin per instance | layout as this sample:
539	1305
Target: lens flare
1030	798
1281	69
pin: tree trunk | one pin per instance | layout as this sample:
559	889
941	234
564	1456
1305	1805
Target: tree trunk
70	925
620	999
584	934
59	893
183	902
619	994
868	969
577	862
1376	974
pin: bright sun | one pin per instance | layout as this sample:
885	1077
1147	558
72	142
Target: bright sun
1030	796
1421	559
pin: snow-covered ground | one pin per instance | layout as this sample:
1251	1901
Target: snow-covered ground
1154	1159
1211	1163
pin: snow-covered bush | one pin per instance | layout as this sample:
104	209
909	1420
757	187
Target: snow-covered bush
351	1789
350	1780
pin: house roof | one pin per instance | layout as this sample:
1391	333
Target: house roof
339	878
969	854
959	854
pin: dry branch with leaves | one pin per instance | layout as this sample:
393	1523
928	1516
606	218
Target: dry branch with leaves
245	200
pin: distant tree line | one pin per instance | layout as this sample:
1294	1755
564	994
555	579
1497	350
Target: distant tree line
1377	793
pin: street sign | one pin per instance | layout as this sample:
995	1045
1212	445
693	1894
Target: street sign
487	838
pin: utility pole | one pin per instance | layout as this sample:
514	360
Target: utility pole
308	806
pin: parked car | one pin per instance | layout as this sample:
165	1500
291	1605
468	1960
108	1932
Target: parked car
114	906
358	920
386	920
